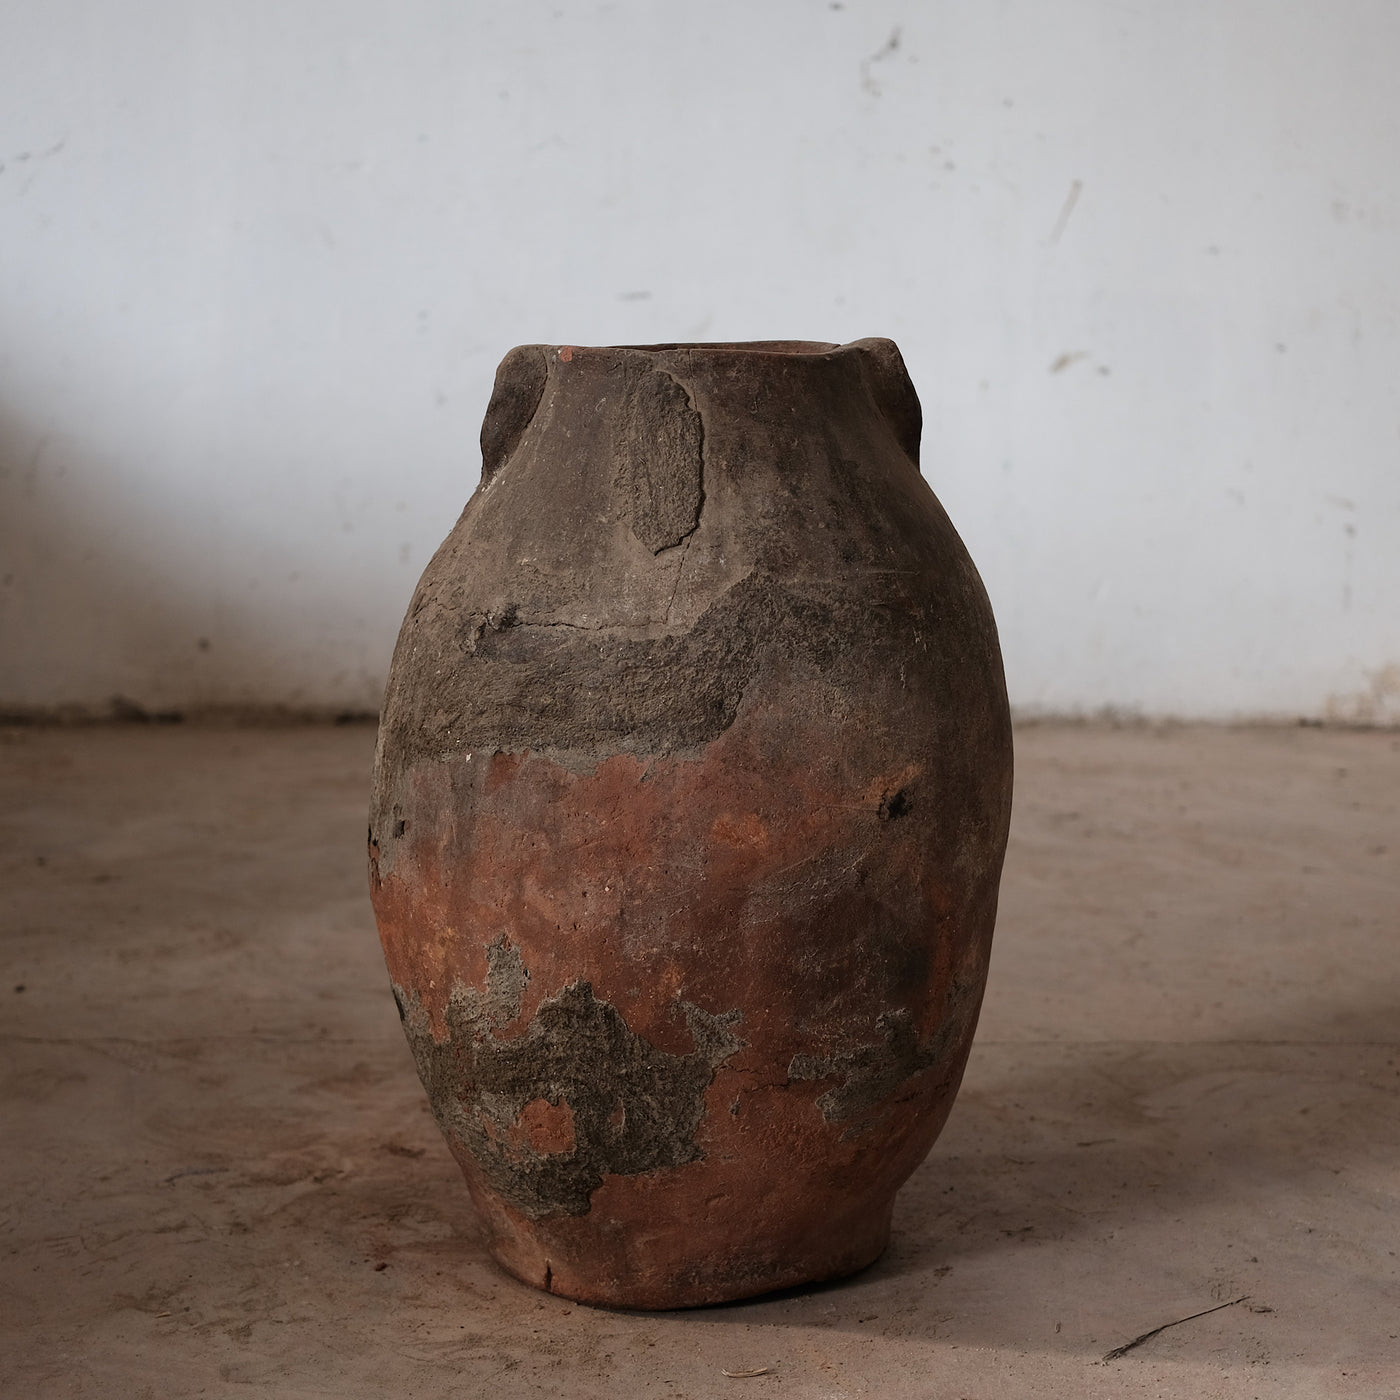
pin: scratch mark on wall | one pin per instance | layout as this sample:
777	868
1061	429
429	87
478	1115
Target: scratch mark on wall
890	47
1066	209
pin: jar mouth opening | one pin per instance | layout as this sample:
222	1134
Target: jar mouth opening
747	347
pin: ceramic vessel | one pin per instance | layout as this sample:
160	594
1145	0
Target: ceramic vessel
689	810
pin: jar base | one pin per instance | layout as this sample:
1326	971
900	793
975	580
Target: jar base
666	1270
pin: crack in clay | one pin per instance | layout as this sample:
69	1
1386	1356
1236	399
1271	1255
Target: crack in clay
634	1108
675	587
567	689
639	629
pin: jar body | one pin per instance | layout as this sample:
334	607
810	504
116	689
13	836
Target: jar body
689	811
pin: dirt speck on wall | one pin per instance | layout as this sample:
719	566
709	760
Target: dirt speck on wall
1378	703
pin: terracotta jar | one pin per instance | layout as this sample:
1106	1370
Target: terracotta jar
689	811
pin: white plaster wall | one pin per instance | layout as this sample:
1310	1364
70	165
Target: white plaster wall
258	262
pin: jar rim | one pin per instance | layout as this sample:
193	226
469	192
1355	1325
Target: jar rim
757	347
741	347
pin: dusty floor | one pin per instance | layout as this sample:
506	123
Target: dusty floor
219	1176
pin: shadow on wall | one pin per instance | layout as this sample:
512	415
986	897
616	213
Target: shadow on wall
109	607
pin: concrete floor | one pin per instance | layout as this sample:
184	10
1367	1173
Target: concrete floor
219	1176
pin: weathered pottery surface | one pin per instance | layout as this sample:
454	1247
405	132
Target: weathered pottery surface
689	809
